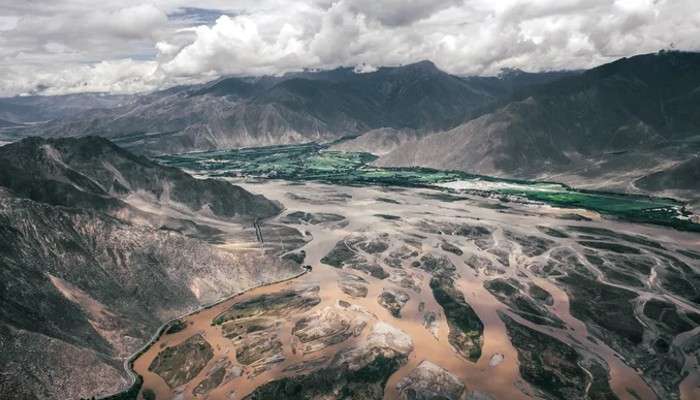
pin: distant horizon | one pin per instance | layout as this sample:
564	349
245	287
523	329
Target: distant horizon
130	46
343	67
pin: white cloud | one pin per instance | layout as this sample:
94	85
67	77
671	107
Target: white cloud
131	22
118	76
398	12
235	45
127	45
364	68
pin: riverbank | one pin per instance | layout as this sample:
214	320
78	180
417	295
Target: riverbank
131	393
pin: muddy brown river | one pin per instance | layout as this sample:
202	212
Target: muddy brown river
419	220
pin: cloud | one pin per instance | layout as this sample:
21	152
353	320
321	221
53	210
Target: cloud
128	45
364	68
131	22
117	76
235	45
399	12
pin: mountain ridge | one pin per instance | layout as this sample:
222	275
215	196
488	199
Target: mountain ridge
616	123
603	128
234	112
92	172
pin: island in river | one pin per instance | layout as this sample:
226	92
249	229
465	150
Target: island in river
434	284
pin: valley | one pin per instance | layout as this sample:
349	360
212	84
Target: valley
427	283
399	233
628	126
318	162
350	200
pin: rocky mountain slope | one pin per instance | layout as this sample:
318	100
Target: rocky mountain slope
378	141
608	126
683	177
86	276
92	172
28	109
322	106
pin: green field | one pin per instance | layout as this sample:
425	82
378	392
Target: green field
313	161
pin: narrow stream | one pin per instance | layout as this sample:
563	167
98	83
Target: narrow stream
360	206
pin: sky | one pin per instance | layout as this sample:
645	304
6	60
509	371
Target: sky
127	46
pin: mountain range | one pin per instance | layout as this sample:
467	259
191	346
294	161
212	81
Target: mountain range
309	106
610	127
622	126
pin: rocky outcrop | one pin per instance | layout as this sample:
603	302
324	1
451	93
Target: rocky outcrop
466	329
300	217
353	285
393	300
177	365
512	293
272	305
329	326
430	382
555	368
351	252
359	372
212	381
